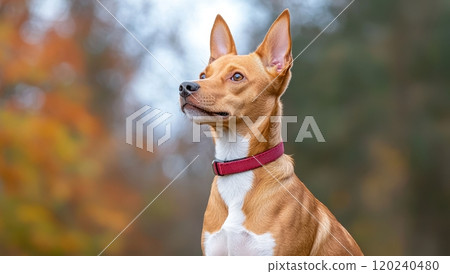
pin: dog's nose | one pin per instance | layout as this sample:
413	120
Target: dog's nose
187	88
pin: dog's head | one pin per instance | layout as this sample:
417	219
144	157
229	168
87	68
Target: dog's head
234	85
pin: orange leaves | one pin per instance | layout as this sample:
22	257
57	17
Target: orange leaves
74	114
54	164
36	63
61	186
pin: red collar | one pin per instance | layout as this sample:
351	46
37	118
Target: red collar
222	168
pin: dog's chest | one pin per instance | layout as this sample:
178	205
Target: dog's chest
233	238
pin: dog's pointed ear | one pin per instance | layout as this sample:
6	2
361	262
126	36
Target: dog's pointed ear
221	42
275	50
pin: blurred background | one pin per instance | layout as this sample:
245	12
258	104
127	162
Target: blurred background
376	81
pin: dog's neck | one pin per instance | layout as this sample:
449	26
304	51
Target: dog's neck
231	148
245	144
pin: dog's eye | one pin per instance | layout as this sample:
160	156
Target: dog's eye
237	77
202	75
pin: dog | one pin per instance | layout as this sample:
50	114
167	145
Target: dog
257	205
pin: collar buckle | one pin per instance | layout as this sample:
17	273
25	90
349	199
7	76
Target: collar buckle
215	167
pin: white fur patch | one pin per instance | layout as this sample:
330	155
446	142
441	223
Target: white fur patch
233	238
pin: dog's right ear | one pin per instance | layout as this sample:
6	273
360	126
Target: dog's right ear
221	42
275	50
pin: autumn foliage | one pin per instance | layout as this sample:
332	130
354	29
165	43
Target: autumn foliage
59	193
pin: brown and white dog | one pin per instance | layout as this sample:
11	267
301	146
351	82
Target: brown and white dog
265	210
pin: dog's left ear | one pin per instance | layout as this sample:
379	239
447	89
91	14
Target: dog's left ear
275	50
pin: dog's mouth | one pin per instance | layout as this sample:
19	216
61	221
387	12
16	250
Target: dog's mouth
193	110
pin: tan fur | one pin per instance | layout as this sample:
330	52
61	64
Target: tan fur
215	213
278	202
